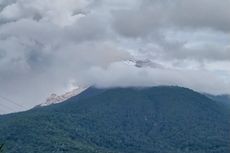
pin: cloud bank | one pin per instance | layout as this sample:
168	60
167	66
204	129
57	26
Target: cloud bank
47	46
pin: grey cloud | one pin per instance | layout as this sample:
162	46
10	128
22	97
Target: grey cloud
151	20
47	45
193	14
137	22
196	14
4	3
203	49
202	14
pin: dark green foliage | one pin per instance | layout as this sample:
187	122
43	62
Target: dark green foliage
122	120
1	148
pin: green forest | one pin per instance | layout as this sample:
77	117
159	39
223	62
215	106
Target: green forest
159	120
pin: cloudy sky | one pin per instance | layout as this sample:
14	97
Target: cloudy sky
50	46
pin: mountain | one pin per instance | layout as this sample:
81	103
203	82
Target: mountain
122	120
54	98
223	99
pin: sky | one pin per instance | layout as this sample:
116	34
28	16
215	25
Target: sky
51	46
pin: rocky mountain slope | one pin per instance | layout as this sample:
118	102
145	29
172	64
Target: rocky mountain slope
55	99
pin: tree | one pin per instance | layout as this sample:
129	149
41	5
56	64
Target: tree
1	148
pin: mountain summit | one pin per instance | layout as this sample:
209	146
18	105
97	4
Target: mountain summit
122	120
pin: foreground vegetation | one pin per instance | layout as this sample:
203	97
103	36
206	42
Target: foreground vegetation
1	148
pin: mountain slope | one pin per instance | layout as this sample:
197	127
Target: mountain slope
223	99
55	99
122	120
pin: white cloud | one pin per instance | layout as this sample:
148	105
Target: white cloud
119	74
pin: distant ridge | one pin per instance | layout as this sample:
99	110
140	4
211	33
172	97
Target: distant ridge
224	99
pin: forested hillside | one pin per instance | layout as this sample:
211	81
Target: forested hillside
121	120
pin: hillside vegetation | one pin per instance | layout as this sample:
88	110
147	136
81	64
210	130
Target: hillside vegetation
121	120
